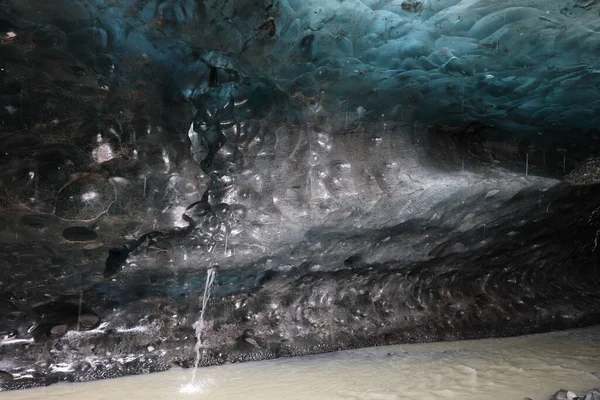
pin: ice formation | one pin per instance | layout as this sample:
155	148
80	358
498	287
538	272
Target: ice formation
363	172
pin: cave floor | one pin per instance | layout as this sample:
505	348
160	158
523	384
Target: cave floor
510	368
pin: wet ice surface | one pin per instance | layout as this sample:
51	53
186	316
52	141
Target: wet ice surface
138	148
500	369
522	65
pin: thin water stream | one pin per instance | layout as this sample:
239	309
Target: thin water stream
199	325
499	369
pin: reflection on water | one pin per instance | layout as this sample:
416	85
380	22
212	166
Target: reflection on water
534	366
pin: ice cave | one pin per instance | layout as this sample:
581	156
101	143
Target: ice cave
200	183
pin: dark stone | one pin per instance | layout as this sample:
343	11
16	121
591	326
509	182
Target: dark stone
56	318
5	377
412	6
79	234
592	395
563	394
59	330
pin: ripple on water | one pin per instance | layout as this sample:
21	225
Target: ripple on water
199	386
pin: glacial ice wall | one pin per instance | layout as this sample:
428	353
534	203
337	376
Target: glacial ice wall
121	115
520	65
362	172
142	95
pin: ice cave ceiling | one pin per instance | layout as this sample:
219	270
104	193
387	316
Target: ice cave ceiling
362	172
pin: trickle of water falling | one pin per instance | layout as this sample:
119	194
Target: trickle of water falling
199	325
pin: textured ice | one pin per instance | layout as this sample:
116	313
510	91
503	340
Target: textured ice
333	157
511	64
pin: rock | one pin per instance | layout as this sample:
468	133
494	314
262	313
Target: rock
249	341
586	173
563	394
5	377
56	318
59	330
592	395
88	320
79	234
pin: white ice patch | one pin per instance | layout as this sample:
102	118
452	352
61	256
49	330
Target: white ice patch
24	376
492	193
103	153
89	196
7	342
135	329
61	367
128	359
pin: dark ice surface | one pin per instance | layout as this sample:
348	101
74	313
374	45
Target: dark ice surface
361	172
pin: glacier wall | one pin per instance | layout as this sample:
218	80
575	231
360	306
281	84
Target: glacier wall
524	66
363	172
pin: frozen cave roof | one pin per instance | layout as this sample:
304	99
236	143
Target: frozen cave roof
521	65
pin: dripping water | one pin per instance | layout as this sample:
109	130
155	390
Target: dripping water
199	325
